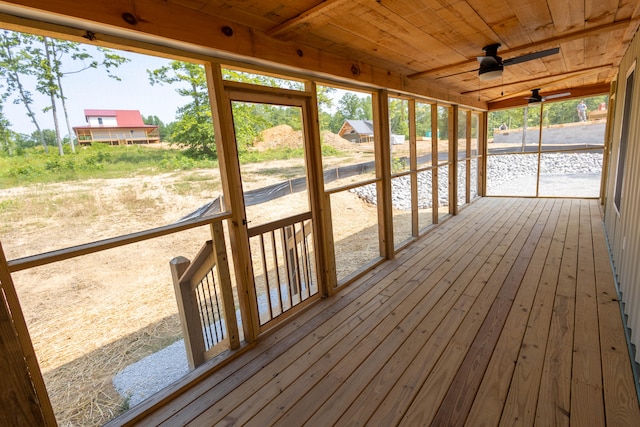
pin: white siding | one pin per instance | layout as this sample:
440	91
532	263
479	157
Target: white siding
623	228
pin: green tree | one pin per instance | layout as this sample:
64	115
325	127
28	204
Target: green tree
399	117
194	126
423	119
354	107
15	63
163	130
7	140
443	122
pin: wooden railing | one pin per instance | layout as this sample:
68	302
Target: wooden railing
284	266
205	300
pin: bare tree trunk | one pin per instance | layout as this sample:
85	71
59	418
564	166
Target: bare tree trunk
54	110
64	104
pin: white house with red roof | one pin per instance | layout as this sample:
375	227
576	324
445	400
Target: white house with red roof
116	127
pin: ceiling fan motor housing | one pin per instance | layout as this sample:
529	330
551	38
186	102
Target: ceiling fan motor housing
491	65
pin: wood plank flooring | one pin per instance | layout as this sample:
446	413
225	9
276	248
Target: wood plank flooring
504	315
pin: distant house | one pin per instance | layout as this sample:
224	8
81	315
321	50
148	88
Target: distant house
357	130
116	127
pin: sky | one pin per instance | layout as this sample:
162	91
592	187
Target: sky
93	89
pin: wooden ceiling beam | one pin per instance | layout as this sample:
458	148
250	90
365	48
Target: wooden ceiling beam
173	27
544	44
576	92
564	78
302	20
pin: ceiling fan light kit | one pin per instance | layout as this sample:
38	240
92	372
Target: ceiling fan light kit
490	74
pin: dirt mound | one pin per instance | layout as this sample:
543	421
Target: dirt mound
278	137
284	136
337	141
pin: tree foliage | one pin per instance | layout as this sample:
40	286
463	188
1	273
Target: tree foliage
163	130
194	126
399	117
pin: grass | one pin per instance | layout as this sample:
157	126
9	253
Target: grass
97	161
33	165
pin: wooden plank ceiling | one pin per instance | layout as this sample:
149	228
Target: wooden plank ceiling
429	45
441	39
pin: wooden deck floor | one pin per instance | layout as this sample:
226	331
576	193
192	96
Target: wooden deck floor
504	315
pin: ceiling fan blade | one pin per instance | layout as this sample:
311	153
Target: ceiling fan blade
457	74
531	56
557	95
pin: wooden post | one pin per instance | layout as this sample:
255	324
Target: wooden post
234	199
434	162
224	278
23	395
413	165
608	141
539	150
468	159
330	258
383	172
453	160
189	314
483	136
320	210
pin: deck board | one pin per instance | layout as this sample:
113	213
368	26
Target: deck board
505	314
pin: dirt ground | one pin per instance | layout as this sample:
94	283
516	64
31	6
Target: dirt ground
91	316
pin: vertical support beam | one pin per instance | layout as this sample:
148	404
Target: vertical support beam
453	160
324	252
434	162
483	136
232	186
468	159
608	141
224	278
23	395
383	172
413	166
330	259
539	150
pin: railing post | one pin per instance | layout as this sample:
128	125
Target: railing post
224	277
189	314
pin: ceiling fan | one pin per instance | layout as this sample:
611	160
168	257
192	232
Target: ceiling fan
536	97
491	65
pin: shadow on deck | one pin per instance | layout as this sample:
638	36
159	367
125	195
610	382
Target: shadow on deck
507	313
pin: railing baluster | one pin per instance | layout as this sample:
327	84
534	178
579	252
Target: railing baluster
204	317
211	318
215	307
265	269
220	310
296	262
290	268
285	250
277	268
305	259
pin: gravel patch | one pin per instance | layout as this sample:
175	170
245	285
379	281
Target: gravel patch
561	174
